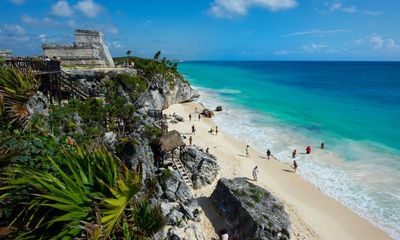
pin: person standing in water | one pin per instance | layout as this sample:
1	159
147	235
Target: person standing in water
294	153
268	153
247	151
216	130
255	173
294	165
193	129
322	145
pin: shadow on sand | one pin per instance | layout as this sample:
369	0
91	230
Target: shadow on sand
215	218
288	170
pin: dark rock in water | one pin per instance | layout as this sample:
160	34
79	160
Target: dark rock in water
202	167
37	104
207	113
239	202
218	109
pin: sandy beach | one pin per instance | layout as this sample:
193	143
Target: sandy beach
313	214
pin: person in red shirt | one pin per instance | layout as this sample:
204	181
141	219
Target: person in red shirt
308	150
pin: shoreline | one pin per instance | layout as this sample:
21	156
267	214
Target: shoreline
314	215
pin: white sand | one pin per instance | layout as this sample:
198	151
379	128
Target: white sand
313	214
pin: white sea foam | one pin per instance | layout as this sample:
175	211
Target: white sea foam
349	171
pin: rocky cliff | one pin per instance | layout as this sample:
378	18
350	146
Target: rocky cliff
253	212
164	92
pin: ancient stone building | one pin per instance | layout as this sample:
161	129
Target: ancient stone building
5	53
87	50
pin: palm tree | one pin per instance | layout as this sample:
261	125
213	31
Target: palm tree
157	55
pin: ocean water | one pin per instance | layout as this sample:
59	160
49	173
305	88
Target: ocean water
353	107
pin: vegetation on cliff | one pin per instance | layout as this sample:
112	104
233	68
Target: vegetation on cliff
150	68
59	179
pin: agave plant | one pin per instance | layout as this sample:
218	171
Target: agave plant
91	180
15	89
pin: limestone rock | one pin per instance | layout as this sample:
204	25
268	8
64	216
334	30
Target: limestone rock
162	93
239	201
207	113
202	168
37	104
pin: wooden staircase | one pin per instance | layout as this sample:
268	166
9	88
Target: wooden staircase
78	89
178	165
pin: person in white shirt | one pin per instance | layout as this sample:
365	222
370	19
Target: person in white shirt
255	173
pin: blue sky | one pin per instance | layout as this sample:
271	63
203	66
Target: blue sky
212	29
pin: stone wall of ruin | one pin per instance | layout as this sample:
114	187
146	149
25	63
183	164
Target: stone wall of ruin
88	50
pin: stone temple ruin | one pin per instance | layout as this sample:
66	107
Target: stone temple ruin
87	50
5	53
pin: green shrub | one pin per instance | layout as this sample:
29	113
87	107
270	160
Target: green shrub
152	132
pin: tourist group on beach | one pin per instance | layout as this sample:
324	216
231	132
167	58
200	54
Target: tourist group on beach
255	172
269	154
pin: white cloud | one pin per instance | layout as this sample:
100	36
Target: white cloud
391	44
43	38
17	2
12	34
233	8
112	30
38	22
317	32
377	41
116	44
338	6
311	48
62	9
12	29
88	8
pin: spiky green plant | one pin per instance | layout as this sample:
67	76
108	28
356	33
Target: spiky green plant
92	179
149	218
15	89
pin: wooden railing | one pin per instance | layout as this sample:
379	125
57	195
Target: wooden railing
37	66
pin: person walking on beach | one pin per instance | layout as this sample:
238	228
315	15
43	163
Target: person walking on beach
207	150
190	117
190	140
294	165
294	153
308	150
322	145
193	129
199	116
247	151
255	173
216	130
268	153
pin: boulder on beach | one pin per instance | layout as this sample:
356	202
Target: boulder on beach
218	108
202	167
207	113
239	201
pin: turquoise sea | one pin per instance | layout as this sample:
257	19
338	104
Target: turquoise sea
353	107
